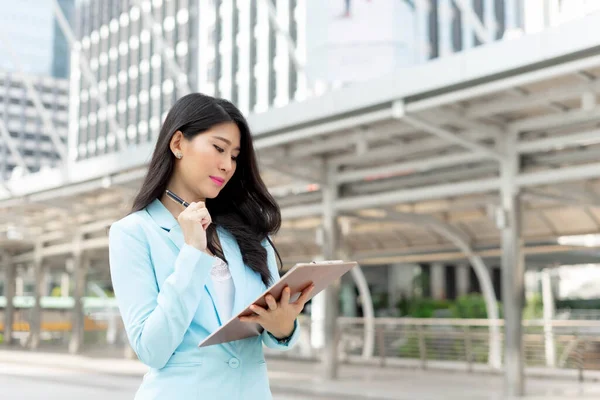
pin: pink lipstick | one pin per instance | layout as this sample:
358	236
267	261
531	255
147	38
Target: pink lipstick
217	181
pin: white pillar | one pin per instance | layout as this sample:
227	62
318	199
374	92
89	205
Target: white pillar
9	293
462	279
513	274
438	281
35	324
548	301
81	266
317	321
330	249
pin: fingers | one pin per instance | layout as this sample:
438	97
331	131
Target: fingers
305	294
196	205
285	296
249	318
271	302
197	214
258	309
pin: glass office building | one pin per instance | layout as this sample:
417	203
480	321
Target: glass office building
25	127
258	54
32	44
35	38
225	48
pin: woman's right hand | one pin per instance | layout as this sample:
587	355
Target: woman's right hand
194	221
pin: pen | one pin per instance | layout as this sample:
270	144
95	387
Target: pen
177	199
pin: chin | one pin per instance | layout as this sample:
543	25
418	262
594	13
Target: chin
213	194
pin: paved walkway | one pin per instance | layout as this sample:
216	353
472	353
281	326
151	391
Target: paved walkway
303	379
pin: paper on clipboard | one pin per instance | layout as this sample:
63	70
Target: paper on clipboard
299	277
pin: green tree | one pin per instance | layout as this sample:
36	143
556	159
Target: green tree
471	306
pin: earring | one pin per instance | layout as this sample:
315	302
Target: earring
178	155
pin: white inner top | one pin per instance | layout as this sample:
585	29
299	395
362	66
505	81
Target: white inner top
224	289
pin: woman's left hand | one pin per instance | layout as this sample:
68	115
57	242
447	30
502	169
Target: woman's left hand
278	318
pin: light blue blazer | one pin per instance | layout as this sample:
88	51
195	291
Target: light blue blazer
166	299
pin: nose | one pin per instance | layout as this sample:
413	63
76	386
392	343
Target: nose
227	164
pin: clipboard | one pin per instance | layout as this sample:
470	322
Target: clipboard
299	277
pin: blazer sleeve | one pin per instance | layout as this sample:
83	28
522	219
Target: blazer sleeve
155	320
268	339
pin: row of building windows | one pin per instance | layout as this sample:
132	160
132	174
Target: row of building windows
134	77
25	125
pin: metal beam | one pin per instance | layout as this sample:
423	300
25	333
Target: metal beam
265	140
49	129
342	142
410	167
387	152
556	93
441	116
575	173
87	72
451	137
462	173
560	142
447	255
295	171
10	143
507	83
564	198
439	191
555	121
168	55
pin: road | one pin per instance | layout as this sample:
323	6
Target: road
21	382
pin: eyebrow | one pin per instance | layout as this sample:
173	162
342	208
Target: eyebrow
226	141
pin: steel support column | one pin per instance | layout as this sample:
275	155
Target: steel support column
9	294
513	274
35	324
79	270
330	244
549	311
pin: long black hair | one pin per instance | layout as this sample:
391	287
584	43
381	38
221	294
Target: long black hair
244	207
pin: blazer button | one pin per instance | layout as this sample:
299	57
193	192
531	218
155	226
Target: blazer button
234	363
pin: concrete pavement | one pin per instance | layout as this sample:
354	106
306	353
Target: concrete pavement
302	379
26	382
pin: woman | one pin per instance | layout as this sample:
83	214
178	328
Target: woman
179	273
